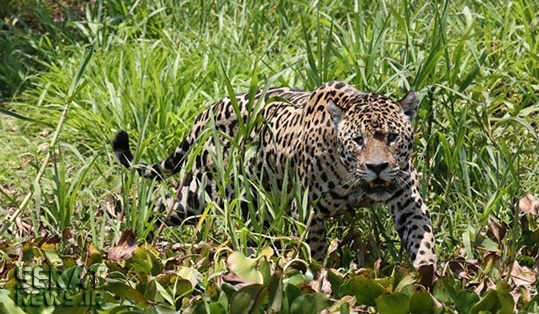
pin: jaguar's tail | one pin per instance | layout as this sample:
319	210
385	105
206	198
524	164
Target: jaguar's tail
120	145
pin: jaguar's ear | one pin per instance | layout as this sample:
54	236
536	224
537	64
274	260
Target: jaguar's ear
409	105
335	112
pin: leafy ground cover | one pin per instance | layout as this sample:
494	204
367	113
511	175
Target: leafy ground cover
74	224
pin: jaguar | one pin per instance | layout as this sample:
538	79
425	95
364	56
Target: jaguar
347	149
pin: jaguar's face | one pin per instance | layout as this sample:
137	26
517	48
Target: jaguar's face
375	146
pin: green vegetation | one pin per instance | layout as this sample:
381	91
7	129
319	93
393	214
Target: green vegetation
74	72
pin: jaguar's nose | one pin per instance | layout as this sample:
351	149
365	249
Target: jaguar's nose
377	167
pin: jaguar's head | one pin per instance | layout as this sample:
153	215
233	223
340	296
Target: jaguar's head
375	140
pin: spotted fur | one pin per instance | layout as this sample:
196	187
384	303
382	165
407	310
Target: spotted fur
348	149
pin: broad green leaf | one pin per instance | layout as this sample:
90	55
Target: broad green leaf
174	284
228	289
94	257
297	277
265	271
343	305
422	302
487	244
145	261
249	299
190	274
404	282
211	308
150	289
335	280
245	267
182	287
159	309
394	303
497	301
291	294
310	303
123	290
71	278
444	290
223	300
216	308
163	293
365	289
488	303
465	300
68	309
507	303
7	306
52	256
275	293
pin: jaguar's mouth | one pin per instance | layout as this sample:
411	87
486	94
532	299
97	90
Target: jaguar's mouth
379	184
380	190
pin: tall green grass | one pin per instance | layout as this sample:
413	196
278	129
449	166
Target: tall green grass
157	64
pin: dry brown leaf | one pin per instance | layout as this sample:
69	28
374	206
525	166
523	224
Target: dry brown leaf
516	295
480	287
178	247
333	245
461	267
114	207
477	287
522	275
497	228
377	266
125	248
525	295
458	267
321	282
360	309
46	239
234	280
66	233
491	259
491	284
529	204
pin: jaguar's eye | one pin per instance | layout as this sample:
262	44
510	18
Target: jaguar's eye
391	138
359	140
